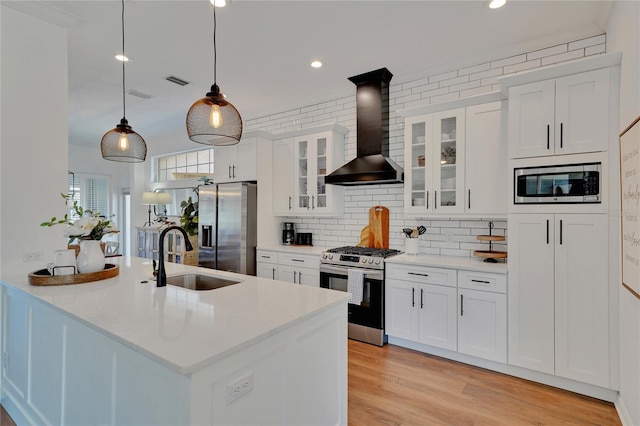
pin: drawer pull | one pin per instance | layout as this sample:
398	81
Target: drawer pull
265	257
481	281
297	260
418	274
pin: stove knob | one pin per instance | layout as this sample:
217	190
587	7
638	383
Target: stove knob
330	256
370	261
377	261
324	255
363	260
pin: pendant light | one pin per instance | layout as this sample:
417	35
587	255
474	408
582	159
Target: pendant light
123	143
213	120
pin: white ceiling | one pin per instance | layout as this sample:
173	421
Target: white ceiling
265	48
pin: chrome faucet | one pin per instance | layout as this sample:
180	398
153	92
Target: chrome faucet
161	279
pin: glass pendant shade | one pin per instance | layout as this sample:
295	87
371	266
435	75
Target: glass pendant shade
213	120
123	144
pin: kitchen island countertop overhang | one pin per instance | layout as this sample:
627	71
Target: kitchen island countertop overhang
183	329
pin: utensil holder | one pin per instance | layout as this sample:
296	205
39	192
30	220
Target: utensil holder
411	245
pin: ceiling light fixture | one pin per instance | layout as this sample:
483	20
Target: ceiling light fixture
123	143
122	58
316	64
495	4
218	3
213	120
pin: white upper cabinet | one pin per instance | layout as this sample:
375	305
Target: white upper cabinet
486	164
456	161
301	164
434	162
566	115
236	163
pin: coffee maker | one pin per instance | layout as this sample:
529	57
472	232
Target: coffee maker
288	233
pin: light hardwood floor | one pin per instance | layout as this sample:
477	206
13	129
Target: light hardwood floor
397	386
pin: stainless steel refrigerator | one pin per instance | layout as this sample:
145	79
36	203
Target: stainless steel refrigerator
227	216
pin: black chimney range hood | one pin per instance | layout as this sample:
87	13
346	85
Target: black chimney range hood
372	164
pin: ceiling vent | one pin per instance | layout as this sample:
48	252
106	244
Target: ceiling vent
139	94
176	80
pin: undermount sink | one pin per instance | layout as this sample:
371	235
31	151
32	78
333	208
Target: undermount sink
199	282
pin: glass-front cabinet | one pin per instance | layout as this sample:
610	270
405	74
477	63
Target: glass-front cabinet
315	155
434	149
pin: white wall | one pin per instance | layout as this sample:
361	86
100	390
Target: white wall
623	34
33	139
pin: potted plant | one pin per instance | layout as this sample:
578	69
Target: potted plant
449	154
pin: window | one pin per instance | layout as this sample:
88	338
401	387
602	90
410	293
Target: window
91	192
184	165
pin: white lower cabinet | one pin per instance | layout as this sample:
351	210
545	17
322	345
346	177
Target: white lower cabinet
457	310
559	295
419	311
482	320
285	266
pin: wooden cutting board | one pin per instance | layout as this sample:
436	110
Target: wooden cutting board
379	227
376	233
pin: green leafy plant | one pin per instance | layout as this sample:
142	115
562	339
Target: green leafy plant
90	225
189	217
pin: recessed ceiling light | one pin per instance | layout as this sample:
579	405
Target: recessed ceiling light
316	64
122	58
495	4
218	3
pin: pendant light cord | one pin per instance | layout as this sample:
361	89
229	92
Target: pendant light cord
214	45
124	108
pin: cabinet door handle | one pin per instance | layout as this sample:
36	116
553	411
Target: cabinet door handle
547	231
297	260
294	277
416	273
289	202
435	200
299	277
481	281
469	199
421	298
413	296
461	305
308	204
313	202
427	200
560	231
548	135
273	273
229	171
561	132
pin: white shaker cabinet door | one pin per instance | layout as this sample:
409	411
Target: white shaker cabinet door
531	120
482	324
283	178
531	291
582	294
437	306
486	166
401	313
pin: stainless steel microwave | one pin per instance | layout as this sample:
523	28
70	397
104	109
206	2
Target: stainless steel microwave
570	183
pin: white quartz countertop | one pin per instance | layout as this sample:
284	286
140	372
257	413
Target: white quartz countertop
453	262
295	249
185	330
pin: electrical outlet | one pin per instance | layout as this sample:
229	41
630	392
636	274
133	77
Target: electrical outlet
240	387
32	256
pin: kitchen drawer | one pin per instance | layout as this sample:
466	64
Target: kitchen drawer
299	260
496	283
422	274
266	256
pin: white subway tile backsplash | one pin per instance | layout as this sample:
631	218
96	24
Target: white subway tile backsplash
443	76
562	48
474	92
474	69
595	50
574	54
522	66
509	61
587	42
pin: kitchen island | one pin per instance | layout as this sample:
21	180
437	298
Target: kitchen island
123	351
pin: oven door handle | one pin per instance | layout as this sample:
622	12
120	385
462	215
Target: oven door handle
342	270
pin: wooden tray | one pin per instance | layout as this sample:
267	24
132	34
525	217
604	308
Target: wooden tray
490	254
490	237
42	277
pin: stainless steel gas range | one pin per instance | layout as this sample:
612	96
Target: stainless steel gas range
366	316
